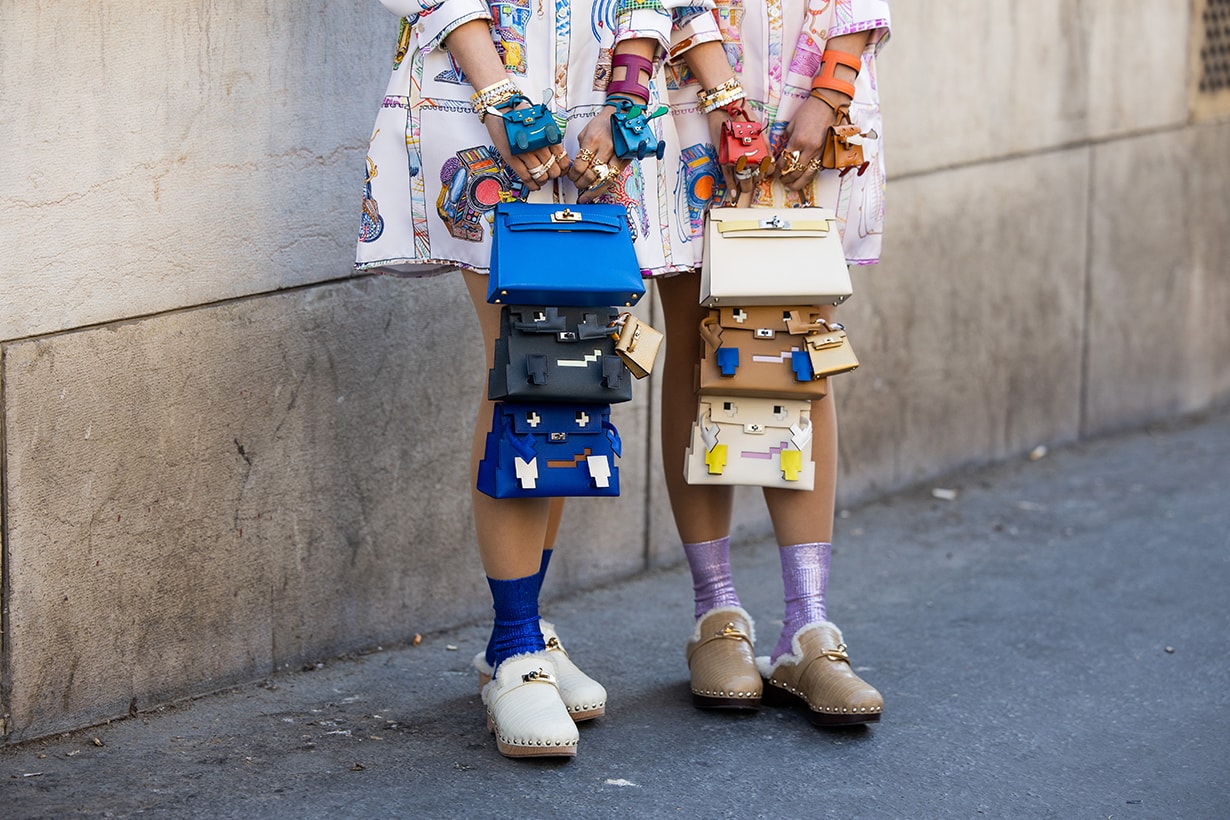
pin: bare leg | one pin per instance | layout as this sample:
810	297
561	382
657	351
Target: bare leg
511	531
702	512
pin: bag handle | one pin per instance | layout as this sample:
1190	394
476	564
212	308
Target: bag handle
712	336
565	219
773	223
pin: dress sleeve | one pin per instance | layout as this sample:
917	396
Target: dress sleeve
852	16
434	20
666	21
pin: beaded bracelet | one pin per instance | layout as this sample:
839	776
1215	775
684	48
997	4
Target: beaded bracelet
494	94
827	78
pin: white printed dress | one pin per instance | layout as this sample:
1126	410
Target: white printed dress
432	177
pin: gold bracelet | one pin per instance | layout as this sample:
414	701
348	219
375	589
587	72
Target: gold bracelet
711	104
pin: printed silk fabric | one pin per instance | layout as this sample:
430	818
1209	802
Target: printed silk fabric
433	178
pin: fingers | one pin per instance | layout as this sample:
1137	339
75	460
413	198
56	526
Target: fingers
797	166
593	173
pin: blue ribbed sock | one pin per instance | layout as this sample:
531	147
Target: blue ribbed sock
516	630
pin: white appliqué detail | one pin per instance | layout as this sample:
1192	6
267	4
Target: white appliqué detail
740	315
527	472
584	361
800	434
709	435
533	419
784	356
599	470
582	419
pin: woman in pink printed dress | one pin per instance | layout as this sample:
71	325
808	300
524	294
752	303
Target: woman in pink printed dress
797	62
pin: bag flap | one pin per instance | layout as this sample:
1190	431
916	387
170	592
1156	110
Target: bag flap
563	218
553	421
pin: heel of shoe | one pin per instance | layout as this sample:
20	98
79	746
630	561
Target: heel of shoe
778	697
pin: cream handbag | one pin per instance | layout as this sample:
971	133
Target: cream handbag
773	256
752	441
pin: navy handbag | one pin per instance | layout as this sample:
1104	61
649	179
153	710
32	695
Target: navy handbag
548	254
550	450
558	354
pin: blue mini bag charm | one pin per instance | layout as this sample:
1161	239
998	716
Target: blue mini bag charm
630	130
528	129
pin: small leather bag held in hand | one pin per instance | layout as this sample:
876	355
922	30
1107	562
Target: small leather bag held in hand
830	351
548	254
630	130
742	137
843	142
528	129
558	354
550	450
760	351
637	344
751	441
773	256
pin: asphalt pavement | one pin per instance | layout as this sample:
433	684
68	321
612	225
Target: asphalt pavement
1051	636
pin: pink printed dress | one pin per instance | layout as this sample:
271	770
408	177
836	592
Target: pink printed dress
775	48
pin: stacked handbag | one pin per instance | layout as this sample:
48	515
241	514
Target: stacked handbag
566	352
766	352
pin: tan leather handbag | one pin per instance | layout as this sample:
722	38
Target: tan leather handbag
762	351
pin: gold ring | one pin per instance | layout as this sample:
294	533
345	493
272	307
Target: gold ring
792	162
816	164
586	155
601	170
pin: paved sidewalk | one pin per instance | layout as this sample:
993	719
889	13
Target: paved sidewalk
1055	642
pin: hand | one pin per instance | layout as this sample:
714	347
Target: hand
804	134
596	148
535	168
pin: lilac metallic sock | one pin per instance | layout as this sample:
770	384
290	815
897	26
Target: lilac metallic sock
711	583
805	578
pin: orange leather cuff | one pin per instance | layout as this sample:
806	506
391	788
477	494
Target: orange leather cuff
827	78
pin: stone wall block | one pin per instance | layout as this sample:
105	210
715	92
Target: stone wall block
969	330
180	154
1157	329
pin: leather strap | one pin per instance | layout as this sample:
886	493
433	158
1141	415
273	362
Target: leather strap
827	78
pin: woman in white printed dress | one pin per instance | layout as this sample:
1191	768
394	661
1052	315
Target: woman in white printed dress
798	62
437	166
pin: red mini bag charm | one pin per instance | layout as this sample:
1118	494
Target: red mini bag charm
742	138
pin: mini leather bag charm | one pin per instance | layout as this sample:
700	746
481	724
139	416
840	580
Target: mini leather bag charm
528	129
548	254
760	351
763	442
830	351
773	256
843	143
550	450
742	137
637	344
558	354
630	130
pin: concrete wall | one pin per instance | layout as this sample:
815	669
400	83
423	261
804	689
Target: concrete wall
220	454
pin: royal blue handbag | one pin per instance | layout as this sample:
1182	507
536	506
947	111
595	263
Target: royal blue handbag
550	450
547	254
